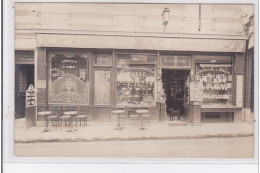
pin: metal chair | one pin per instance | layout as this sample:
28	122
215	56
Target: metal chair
133	116
54	116
82	115
66	118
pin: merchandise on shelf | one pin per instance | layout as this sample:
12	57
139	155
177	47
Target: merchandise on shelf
135	83
217	82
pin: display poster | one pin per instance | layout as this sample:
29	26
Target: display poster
30	96
102	87
196	91
239	91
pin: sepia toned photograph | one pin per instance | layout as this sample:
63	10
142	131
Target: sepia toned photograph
134	80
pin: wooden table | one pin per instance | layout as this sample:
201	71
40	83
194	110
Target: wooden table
118	112
141	113
45	114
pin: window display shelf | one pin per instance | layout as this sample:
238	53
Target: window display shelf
217	82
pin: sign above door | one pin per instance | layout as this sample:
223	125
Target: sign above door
175	62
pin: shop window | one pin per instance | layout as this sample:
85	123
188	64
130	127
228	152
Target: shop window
69	78
135	79
217	81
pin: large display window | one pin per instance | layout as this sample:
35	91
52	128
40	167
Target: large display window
215	76
68	78
135	79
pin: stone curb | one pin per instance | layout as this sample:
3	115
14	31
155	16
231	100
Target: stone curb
133	138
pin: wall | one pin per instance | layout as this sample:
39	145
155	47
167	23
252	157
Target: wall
184	18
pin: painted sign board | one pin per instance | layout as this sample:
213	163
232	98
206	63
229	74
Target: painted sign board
30	96
176	61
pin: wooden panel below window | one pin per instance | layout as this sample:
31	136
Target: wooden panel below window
212	117
101	113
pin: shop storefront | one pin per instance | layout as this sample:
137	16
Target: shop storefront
200	78
214	77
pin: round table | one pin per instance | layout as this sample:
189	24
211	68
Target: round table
141	113
118	112
71	113
45	114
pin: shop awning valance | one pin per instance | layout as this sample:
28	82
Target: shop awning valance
138	42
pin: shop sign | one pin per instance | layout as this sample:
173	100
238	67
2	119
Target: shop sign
69	63
138	71
24	57
176	61
103	59
30	96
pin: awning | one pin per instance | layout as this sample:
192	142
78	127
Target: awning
140	42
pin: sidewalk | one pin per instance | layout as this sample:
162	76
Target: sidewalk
104	131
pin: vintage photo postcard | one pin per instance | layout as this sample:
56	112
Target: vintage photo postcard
134	80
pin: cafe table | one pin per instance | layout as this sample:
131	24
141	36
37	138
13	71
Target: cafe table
45	114
141	113
118	112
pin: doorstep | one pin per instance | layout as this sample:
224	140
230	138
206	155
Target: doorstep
177	123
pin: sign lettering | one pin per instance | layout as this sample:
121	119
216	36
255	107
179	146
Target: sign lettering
30	96
176	61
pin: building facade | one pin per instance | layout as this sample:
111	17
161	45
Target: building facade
188	57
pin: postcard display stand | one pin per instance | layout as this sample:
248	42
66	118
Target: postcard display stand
30	110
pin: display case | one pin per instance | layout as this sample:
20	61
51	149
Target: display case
217	83
135	79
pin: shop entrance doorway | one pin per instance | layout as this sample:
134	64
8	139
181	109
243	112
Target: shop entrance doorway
24	76
176	91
